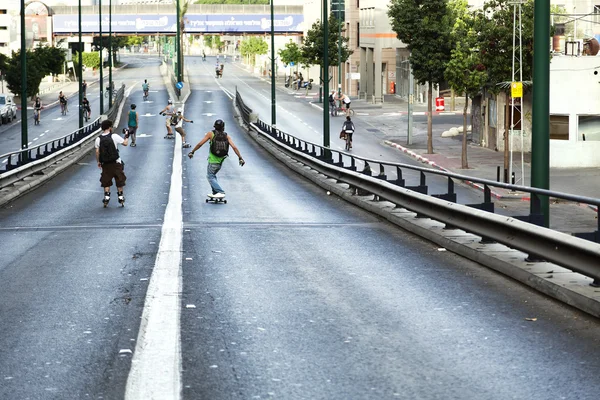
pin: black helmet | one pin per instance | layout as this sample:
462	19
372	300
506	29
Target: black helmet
219	125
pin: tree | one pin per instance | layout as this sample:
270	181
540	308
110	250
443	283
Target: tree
184	5
52	59
35	73
117	43
134	40
312	46
213	41
252	47
464	72
494	27
291	53
424	26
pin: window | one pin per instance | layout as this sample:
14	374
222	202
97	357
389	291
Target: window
588	128
3	28
559	127
358	34
3	11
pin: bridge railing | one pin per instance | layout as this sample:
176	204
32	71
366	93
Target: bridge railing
385	181
22	157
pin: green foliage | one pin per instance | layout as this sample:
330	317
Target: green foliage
134	40
35	73
312	47
464	71
51	59
4	59
253	46
213	42
424	26
291	53
494	27
231	2
91	60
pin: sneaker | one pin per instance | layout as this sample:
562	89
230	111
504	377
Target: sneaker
219	195
186	145
133	144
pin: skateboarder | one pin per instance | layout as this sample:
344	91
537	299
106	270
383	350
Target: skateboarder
220	142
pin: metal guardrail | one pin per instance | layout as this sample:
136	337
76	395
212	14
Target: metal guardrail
44	150
522	233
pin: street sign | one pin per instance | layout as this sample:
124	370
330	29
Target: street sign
179	85
292	63
516	89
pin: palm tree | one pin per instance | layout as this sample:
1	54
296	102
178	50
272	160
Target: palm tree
183	10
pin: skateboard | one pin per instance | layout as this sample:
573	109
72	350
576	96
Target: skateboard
171	136
215	200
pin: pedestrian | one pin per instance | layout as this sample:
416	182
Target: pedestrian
132	124
84	87
332	99
220	142
179	127
109	161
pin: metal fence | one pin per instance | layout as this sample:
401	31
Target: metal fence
30	154
524	233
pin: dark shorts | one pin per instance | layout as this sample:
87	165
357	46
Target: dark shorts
110	171
347	105
132	130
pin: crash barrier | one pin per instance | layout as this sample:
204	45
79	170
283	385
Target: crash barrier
22	163
523	233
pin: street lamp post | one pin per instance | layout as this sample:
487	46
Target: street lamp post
273	106
339	13
101	59
178	45
80	71
110	59
540	141
24	141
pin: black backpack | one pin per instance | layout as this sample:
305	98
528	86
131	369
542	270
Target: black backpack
174	119
219	144
108	152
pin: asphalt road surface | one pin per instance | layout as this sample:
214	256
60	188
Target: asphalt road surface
284	292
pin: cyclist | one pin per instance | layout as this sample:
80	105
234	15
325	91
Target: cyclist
63	103
145	88
346	100
347	132
37	109
85	104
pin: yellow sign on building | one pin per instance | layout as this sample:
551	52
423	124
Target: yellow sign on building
516	89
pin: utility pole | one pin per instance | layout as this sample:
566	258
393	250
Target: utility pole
80	71
411	100
101	59
24	140
516	87
273	104
339	18
110	58
326	77
540	141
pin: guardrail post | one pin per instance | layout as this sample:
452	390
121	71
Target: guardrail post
366	171
398	181
594	237
450	196
421	187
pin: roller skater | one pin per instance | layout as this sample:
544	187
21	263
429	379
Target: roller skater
179	127
169	111
109	161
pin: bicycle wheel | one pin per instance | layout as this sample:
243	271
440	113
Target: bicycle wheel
351	112
347	142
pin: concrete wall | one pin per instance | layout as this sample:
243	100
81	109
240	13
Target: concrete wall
575	92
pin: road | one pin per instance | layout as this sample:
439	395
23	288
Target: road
284	292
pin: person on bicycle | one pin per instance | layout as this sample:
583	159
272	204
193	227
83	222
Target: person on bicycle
37	107
145	88
63	102
168	111
85	104
347	130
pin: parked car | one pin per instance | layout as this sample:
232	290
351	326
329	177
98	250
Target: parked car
8	108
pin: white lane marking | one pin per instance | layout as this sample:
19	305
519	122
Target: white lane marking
156	365
35	139
4	162
29	144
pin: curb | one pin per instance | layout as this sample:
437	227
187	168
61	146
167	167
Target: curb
434	165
